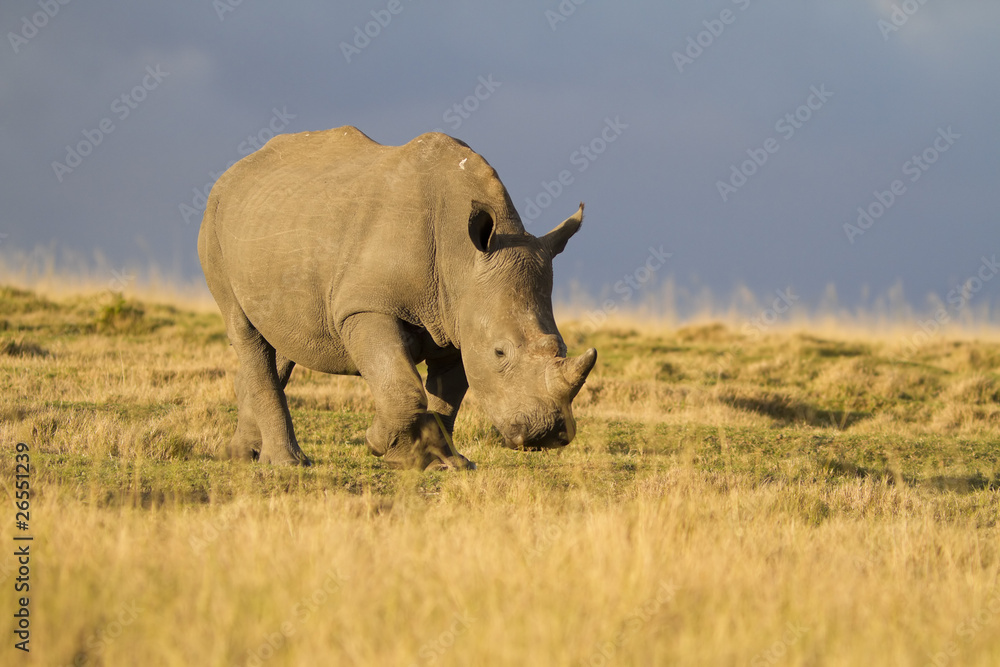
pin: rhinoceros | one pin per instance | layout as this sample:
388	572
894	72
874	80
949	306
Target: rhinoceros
331	251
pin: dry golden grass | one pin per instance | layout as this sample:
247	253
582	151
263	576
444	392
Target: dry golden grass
804	497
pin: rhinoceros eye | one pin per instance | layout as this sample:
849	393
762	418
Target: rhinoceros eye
503	353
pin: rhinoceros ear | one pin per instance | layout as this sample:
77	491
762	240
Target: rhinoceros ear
556	240
481	227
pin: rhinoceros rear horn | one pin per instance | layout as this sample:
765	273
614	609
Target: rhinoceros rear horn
556	240
577	369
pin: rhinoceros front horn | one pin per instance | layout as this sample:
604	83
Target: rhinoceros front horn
576	370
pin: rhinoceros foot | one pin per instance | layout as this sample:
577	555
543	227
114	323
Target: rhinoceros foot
284	457
457	462
250	449
423	445
243	447
428	461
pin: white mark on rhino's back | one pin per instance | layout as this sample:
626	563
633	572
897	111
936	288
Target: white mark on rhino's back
461	165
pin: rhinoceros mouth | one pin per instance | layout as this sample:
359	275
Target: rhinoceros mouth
546	433
538	445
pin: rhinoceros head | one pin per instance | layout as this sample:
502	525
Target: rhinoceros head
514	358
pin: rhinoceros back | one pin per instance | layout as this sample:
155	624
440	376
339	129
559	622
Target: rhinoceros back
317	226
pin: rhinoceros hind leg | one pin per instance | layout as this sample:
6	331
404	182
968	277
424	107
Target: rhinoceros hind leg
265	425
247	441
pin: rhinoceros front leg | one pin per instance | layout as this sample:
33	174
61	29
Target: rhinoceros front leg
260	391
403	432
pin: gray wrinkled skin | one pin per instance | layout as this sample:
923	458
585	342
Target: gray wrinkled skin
328	250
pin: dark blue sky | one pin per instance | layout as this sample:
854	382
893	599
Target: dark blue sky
805	111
